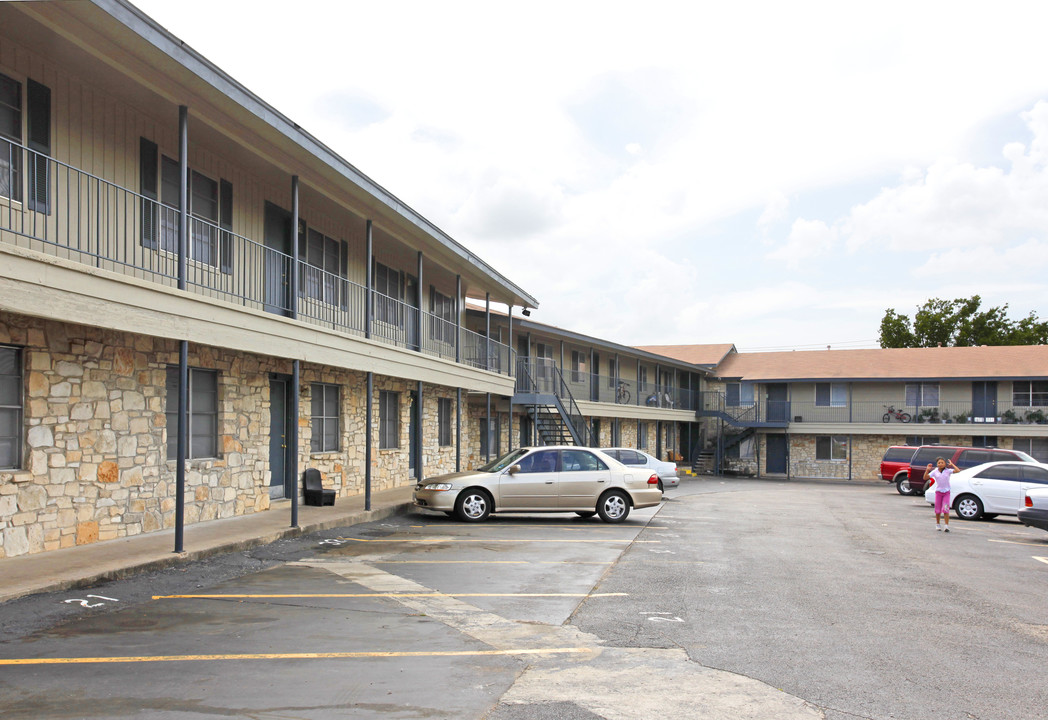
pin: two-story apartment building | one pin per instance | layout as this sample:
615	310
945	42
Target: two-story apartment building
199	299
832	413
577	389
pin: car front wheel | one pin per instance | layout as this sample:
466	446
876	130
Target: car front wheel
613	507
968	507
473	506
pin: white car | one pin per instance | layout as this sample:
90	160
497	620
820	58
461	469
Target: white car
992	489
1034	512
666	471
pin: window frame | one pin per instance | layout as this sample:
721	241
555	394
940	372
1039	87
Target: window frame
171	413
17	411
740	395
487	433
327	282
387	308
642	435
834	447
319	423
444	310
444	413
578	366
920	393
829	390
388	420
1026	398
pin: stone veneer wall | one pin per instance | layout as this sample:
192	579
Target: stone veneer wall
95	464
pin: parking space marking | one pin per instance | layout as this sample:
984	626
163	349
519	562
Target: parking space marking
234	596
489	562
455	539
1041	559
1016	542
292	656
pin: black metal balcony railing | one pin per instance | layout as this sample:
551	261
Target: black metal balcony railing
72	214
610	389
872	411
542	377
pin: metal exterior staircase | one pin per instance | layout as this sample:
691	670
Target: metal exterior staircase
558	420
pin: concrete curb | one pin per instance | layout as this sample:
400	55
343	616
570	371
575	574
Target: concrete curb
134	567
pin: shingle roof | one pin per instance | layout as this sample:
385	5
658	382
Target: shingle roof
708	355
939	363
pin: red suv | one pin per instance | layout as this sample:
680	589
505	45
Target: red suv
895	465
963	457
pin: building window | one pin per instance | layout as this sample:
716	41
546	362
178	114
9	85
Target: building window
1037	447
10	129
543	361
202	413
442	325
578	366
642	377
831	447
831	394
324	267
642	435
1030	393
918	440
922	394
11	402
389	295
616	432
613	372
444	421
324	418
739	394
490	438
388	419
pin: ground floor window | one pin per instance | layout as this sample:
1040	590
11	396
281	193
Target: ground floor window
984	441
388	419
918	440
11	394
324	418
1037	447
642	436
202	413
444	421
490	437
831	447
616	432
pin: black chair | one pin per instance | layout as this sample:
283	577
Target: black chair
314	491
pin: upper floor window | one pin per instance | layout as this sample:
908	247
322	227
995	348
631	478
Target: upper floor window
1030	393
613	371
210	238
442	307
324	266
37	116
11	407
738	394
831	394
578	366
389	294
642	377
922	394
202	414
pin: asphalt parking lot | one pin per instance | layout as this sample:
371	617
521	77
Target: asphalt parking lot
735	598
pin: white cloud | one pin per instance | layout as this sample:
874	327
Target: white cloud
808	239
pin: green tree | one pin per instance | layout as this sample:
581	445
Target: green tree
960	323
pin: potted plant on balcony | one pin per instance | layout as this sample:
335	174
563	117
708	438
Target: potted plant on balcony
1008	417
963	417
1036	416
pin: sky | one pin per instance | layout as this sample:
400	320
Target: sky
775	175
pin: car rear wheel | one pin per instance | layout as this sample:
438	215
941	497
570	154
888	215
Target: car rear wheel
473	506
968	507
613	507
661	489
902	484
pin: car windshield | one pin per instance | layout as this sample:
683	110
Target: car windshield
503	462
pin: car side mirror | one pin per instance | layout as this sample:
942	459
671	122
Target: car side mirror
513	469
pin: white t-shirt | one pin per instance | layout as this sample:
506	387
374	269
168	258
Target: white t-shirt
942	479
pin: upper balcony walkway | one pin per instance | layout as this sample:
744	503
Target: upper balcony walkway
68	213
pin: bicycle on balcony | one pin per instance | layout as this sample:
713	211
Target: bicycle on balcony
893	413
622	392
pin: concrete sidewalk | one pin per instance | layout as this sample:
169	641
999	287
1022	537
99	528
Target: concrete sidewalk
89	564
